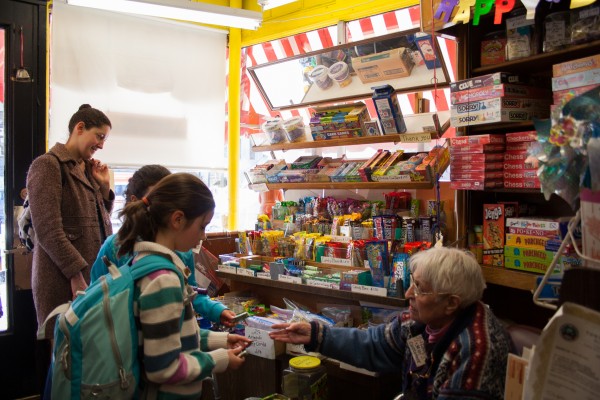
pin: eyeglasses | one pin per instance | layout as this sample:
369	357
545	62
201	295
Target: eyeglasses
101	137
418	292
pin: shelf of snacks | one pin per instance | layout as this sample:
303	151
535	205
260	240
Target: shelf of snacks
347	185
313	290
419	128
542	60
510	278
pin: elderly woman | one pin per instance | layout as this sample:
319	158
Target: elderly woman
451	347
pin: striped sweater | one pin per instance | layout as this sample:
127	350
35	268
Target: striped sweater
470	359
175	353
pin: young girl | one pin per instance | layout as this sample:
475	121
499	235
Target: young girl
139	184
173	217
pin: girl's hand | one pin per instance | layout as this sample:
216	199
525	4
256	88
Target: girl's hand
234	341
227	318
297	333
101	175
78	284
234	360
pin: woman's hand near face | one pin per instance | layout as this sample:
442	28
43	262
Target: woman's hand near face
297	333
101	175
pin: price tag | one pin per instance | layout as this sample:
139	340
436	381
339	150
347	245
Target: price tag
263	275
341	239
394	178
228	269
323	284
346	262
420	137
372	290
290	279
245	271
259	187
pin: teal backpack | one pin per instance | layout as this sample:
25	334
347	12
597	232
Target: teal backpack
95	351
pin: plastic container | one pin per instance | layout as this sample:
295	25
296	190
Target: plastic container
305	379
274	130
320	76
340	72
294	129
557	31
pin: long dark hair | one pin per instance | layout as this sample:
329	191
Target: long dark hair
91	118
143	218
142	179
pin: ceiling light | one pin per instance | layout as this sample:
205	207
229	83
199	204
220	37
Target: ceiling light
269	4
180	9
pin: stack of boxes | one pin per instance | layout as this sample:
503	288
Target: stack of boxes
338	122
520	170
476	162
497	97
575	77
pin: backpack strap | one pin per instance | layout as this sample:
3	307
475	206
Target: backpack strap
41	333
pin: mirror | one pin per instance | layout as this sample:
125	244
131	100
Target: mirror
408	62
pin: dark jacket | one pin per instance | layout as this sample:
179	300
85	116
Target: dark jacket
70	219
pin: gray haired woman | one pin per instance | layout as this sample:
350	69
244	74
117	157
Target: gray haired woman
451	345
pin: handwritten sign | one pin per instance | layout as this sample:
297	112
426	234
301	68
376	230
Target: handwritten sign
228	269
290	279
263	275
420	137
245	271
322	284
262	345
337	261
342	239
372	290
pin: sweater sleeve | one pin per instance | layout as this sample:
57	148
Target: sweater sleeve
379	349
108	249
160	309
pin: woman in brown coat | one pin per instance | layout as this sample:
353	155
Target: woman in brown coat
70	202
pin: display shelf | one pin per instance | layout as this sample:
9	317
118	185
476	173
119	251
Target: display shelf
541	61
314	291
342	185
510	278
415	129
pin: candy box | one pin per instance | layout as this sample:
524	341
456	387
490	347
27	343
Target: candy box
493	234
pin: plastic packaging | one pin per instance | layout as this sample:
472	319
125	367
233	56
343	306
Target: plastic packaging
294	128
320	76
340	72
557	31
305	379
274	130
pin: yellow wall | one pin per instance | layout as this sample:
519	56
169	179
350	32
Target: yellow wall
306	15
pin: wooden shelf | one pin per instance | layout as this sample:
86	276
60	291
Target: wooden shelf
414	127
541	61
510	278
315	291
344	185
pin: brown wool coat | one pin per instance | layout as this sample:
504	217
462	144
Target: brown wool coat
64	213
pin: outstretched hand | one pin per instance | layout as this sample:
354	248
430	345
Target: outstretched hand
297	333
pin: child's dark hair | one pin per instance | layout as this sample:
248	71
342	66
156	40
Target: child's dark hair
91	118
143	218
142	179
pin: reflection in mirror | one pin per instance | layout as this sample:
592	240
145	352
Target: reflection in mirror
407	62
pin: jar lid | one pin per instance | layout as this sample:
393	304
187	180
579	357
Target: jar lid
293	123
318	71
305	362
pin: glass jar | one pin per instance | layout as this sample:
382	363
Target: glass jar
305	379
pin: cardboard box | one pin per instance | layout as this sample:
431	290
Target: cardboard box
476	175
476	166
486	80
487	117
560	95
526	241
477	139
520	174
476	158
590	77
395	63
548	225
262	345
518	137
525	183
477	149
573	66
493	234
475	184
502	90
388	110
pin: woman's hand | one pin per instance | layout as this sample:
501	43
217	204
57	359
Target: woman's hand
227	317
234	341
78	284
235	361
297	333
101	175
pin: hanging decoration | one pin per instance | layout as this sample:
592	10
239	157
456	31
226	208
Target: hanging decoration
21	73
